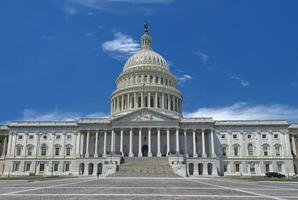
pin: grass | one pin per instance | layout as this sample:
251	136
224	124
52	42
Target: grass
261	178
33	178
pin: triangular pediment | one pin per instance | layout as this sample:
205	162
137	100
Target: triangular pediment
145	115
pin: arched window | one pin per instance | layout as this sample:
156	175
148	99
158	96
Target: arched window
236	149
224	149
30	150
19	150
250	150
68	150
43	149
57	149
265	149
277	148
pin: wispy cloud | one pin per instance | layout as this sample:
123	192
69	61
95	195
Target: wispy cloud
245	111
70	11
118	5
121	46
183	78
204	57
56	115
243	82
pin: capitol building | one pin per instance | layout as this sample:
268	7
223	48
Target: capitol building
146	134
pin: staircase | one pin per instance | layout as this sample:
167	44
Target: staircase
145	167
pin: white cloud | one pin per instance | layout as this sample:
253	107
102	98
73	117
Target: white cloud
121	46
243	82
56	115
244	111
204	57
183	78
70	11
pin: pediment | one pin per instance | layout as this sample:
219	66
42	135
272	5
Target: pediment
145	115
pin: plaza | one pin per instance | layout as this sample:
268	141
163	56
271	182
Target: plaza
147	188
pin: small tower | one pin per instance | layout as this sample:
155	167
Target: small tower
146	38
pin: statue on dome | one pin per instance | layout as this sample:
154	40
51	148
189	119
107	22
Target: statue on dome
146	27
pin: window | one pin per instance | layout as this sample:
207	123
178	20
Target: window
223	136
277	150
68	149
252	168
16	166
20	137
30	150
41	167
225	167
250	150
235	136
236	150
44	137
27	167
31	137
56	166
58	137
67	167
43	149
57	151
224	150
279	167
275	136
237	167
267	167
18	150
264	136
68	137
265	150
249	136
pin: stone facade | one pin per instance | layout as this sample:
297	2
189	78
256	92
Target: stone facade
146	121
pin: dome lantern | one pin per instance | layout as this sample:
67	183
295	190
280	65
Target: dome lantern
146	38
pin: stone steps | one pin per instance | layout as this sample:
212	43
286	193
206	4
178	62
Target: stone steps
145	167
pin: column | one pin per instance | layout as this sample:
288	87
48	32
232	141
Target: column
63	144
158	143
140	143
156	100
142	99
169	102
149	98
122	102
135	101
38	145
271	153
112	141
168	141
177	141
121	142
96	144
130	144
212	144
149	143
118	104
194	145
185	143
294	146
87	145
9	144
163	101
4	147
78	139
53	144
204	155
288	147
104	154
81	145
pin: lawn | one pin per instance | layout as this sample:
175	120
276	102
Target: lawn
261	178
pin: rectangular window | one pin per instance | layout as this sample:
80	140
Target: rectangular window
223	136
237	167
20	137
275	136
225	167
279	167
27	167
41	167
224	151
19	150
31	137
16	166
57	151
56	165
67	167
68	137
252	169
58	137
264	136
235	136
235	151
68	151
267	167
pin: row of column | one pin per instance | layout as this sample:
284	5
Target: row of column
131	154
154	100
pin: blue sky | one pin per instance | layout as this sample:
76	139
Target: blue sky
233	59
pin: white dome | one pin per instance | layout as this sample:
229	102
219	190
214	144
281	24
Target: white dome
146	57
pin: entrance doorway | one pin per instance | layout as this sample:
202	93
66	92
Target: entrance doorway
99	168
145	150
